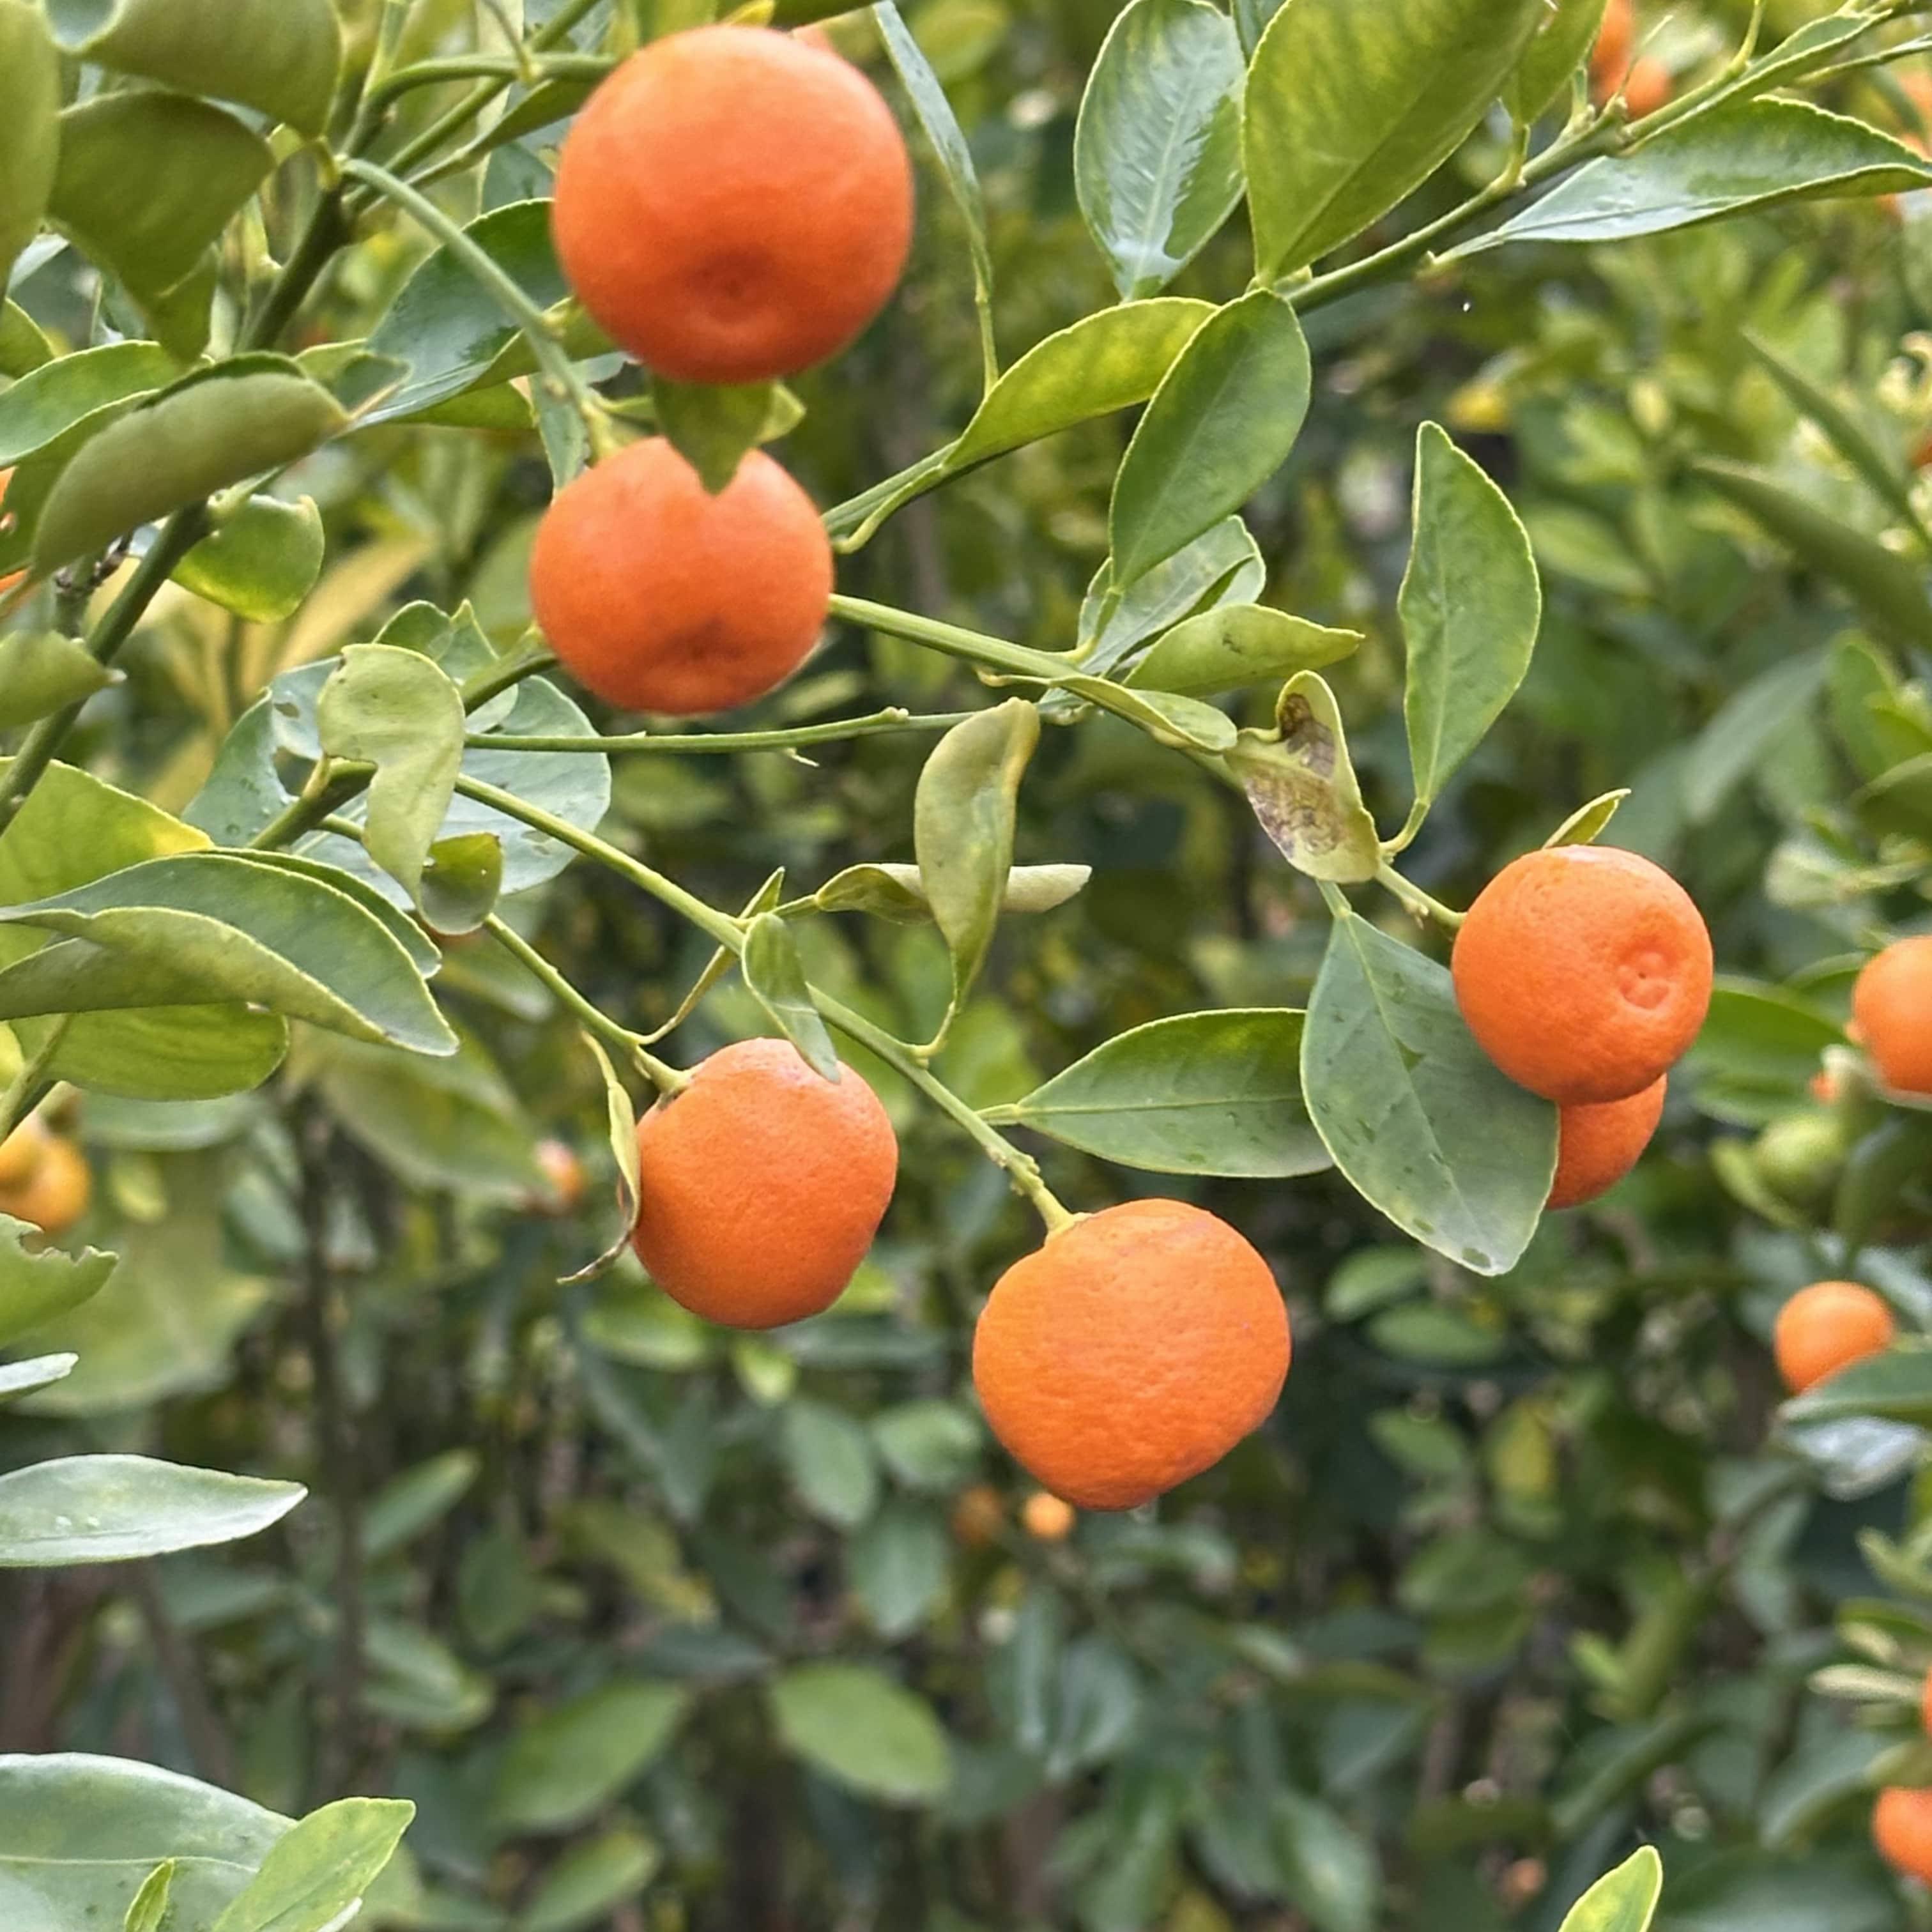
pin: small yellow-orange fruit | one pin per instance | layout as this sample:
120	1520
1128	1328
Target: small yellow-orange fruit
1046	1518
54	1195
1902	1830
1826	1328
977	1516
20	1152
1891	1009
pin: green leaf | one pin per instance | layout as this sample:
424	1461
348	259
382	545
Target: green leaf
929	1444
260	562
900	1564
1331	1871
1223	422
219	427
452	1122
1239	644
30	100
1184	724
23	346
711	425
1215	1093
621	1119
1754	155
897	892
449	328
397	710
280	56
80	1836
859	1727
1222	566
148	1908
41	671
19	1379
196	165
576	1758
1747	728
316	1874
1302	785
1350	107
208	925
829	1457
1624	1900
409	1503
1157	148
113	1509
584	1886
1588	823
1101	363
462	882
35	1288
44	405
1887	586
775	977
1470	606
1394	1081
963	815
1557	49
942	131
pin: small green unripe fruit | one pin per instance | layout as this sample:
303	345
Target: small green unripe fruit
1798	1157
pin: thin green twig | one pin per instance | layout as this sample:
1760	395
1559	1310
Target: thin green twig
894	718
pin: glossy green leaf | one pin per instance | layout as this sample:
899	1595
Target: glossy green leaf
397	710
114	1509
1753	155
1588	823
206	925
1184	724
1215	1093
42	671
1470	605
621	1123
447	326
195	164
859	1727
422	950
1223	422
318	1871
942	129
1624	1901
38	1372
462	882
44	405
217	427
1223	566
36	1288
1557	49
73	828
591	1879
1302	785
1157	149
1393	1081
24	346
711	425
576	1758
775	976
829	1458
148	1911
1238	644
1349	108
280	56
896	892
1100	363
261	562
79	1836
963	816
1886	586
30	100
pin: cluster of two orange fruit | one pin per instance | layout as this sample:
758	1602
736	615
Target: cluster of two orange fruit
1131	1351
733	204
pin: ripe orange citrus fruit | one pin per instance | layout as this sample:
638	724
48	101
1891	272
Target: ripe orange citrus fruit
1892	1007
1046	1518
659	597
563	1175
1826	1328
761	1186
1132	1351
13	577
1925	1707
1609	58
1597	1146
54	1195
734	203
1902	1830
1647	86
1584	973
20	1152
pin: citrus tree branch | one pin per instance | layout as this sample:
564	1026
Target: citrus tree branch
893	719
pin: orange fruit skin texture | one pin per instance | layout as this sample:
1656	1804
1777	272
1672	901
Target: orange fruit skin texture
659	597
1902	1830
1647	86
761	1185
734	203
1132	1351
21	1151
1610	59
1584	973
1925	1708
1826	1328
55	1194
1596	1146
1892	1008
1047	1519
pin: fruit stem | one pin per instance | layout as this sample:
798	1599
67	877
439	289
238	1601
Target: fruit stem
1020	1168
1418	902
